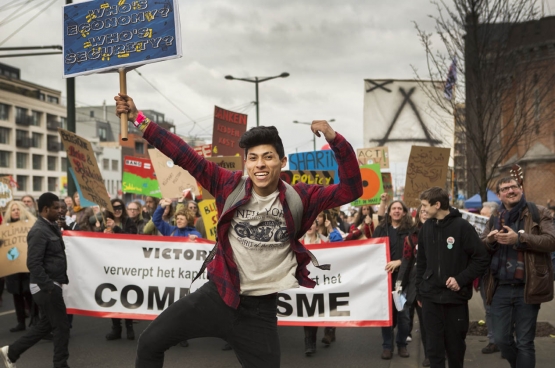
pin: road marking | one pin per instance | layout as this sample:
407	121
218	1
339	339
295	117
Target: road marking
7	312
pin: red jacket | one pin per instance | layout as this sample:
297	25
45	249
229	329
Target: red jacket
221	182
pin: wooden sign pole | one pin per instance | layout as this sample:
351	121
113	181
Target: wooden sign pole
123	89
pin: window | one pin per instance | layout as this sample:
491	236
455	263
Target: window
20	135
52	184
91	114
5	158
21	116
37	183
22	181
21	160
63	163
35	118
102	134
52	143
105	164
63	123
37	162
115	165
42	96
5	135
4	111
36	140
54	100
51	165
139	147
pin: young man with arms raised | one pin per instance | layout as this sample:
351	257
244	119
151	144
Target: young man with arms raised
450	256
239	302
520	240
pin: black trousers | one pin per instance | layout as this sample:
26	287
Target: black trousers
53	318
251	329
19	301
446	327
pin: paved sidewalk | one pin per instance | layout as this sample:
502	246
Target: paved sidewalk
545	346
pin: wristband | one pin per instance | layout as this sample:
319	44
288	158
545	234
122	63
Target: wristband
142	121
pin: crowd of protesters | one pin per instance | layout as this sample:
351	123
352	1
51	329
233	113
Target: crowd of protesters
440	301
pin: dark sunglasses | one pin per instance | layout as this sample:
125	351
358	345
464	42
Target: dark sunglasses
118	208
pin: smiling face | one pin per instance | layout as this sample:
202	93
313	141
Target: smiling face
118	209
181	221
264	167
396	212
510	194
430	210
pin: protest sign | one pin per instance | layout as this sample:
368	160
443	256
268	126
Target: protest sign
5	190
231	163
13	249
387	182
427	168
324	178
139	177
229	126
314	160
172	179
372	186
204	150
375	155
107	35
209	213
85	169
137	277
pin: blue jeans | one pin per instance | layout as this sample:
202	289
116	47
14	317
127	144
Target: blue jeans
512	317
402	321
251	329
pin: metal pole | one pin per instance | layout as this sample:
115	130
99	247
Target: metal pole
257	109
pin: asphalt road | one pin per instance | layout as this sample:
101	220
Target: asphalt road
355	347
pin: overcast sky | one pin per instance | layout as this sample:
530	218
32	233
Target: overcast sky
328	46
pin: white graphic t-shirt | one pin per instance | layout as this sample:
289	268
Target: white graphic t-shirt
261	248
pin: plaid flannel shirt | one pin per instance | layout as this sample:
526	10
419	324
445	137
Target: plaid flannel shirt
221	182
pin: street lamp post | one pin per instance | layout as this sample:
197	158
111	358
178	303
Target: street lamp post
256	81
314	136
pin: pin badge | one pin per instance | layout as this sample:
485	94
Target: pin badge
169	163
450	242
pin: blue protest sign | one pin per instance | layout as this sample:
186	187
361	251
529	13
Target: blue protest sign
105	35
314	160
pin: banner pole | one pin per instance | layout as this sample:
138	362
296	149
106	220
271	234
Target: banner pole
123	89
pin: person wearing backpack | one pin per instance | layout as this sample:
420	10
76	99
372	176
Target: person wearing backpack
520	240
258	253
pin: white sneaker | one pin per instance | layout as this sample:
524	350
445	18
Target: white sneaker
409	339
4	355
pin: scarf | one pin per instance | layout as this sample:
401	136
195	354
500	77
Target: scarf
508	263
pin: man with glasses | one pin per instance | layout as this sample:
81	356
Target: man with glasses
520	277
134	212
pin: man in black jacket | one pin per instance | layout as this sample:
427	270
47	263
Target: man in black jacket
450	256
47	264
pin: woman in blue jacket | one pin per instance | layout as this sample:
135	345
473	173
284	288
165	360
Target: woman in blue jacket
184	221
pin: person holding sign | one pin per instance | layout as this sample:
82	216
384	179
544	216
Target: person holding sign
258	253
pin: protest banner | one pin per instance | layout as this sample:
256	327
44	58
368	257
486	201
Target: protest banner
314	160
139	177
80	156
106	35
172	179
387	182
375	155
229	126
324	178
137	277
13	248
209	213
427	168
372	186
478	221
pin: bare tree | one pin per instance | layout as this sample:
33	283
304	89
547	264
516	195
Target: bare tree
504	78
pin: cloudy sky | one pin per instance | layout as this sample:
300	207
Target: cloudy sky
328	46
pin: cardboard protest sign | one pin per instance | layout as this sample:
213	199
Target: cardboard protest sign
427	168
375	155
209	213
139	177
314	160
229	126
107	35
387	184
172	179
5	191
85	168
324	178
13	249
372	186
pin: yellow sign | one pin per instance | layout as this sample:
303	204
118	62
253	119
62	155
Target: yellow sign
209	214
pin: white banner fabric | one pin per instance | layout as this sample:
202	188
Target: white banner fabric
137	277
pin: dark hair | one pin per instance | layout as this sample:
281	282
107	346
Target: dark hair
359	218
434	195
504	180
262	135
47	200
417	221
406	220
123	211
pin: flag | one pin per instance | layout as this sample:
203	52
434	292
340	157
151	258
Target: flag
451	80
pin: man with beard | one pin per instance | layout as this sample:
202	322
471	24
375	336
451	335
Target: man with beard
520	240
151	203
